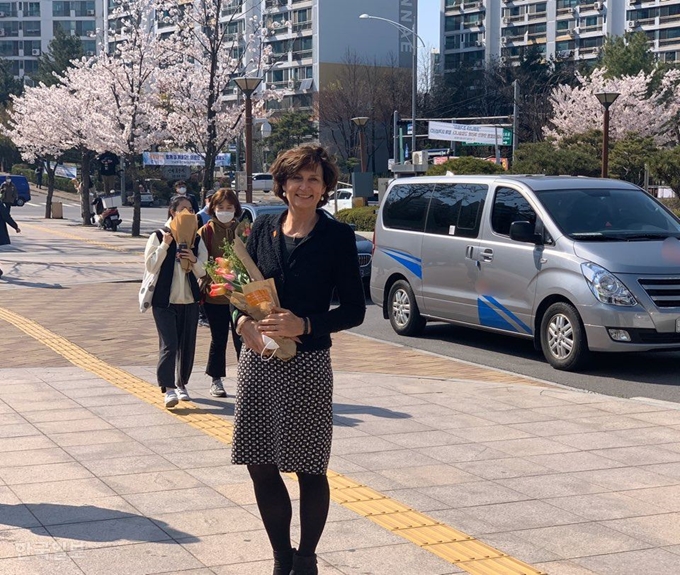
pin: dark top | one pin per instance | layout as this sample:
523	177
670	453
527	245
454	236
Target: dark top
324	261
108	163
161	294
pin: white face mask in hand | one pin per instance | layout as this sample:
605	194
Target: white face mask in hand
224	217
270	347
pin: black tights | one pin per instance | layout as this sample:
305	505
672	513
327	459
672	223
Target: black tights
275	508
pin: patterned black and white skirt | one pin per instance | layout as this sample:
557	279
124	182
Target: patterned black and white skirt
284	412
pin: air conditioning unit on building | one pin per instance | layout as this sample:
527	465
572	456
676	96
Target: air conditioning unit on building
597	6
291	84
506	21
632	24
2	31
479	43
503	59
2	14
90	12
504	40
35	52
420	158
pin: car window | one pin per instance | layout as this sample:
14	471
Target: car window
456	209
510	206
608	212
247	216
344	195
406	206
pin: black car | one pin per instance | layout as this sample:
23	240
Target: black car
364	246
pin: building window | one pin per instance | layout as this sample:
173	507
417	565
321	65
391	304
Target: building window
9	48
31	9
61	8
32	28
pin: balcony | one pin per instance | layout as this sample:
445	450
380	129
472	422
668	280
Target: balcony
301	26
301	54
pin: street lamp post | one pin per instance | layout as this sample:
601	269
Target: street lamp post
247	85
414	76
606	99
361	121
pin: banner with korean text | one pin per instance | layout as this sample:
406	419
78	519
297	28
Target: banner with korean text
181	159
469	134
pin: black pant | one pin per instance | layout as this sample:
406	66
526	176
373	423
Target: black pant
8	206
176	327
219	318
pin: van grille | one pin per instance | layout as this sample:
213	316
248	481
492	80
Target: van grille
664	292
364	259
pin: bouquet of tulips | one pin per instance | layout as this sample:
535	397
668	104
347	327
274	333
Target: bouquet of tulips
236	276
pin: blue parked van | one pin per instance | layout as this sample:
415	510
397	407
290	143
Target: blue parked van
23	189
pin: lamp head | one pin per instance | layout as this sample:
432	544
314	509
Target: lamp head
606	98
364	16
360	121
248	84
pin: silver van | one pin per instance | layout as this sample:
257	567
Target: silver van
577	264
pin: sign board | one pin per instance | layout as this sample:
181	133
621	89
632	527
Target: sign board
181	159
176	172
469	134
69	171
241	182
362	183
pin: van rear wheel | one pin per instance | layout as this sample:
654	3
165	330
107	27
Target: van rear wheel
563	338
403	310
20	202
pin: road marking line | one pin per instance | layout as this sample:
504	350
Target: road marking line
84	240
34	205
444	541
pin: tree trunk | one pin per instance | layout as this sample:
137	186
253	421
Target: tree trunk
85	187
50	189
136	203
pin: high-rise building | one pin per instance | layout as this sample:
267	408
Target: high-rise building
26	29
478	31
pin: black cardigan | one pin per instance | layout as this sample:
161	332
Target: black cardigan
325	260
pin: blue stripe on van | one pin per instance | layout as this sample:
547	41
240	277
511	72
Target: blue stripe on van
488	317
413	264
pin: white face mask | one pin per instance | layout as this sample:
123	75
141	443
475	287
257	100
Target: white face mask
224	217
181	190
270	347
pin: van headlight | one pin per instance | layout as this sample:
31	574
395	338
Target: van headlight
606	287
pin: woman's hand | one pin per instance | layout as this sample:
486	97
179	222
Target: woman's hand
167	238
251	335
282	323
17	230
187	255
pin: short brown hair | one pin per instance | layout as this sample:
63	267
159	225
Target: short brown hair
224	194
291	162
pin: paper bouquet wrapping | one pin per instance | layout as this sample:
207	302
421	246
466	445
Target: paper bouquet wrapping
183	227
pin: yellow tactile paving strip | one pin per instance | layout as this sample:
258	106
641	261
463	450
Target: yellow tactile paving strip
66	235
444	541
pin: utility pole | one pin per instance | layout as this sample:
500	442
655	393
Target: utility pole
515	110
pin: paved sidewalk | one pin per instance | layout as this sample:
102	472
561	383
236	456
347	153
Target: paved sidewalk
97	478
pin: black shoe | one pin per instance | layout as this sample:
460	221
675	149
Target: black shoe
304	565
0	273
283	562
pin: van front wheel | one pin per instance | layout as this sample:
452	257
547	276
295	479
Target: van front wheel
20	202
403	310
563	338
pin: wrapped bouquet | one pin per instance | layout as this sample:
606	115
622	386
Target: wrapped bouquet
236	276
183	227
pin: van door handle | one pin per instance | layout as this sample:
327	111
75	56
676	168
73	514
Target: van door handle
468	252
487	255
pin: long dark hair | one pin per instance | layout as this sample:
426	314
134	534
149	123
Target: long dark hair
174	202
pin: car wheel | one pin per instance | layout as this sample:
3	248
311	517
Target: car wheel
20	202
403	310
563	338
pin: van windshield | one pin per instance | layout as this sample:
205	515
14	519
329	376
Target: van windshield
609	214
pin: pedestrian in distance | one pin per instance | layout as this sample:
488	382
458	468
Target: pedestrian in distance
203	214
8	193
5	220
223	210
181	190
39	176
284	410
175	304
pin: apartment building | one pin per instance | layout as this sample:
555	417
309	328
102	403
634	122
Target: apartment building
477	31
26	29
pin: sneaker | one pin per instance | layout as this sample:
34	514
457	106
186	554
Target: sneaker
203	323
170	398
182	393
217	389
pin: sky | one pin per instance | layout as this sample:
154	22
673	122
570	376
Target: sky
428	21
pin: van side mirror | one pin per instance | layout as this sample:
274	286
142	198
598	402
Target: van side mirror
525	232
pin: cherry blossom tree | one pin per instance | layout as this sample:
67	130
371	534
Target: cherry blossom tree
576	109
211	52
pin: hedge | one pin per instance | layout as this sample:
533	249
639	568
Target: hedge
363	218
64	184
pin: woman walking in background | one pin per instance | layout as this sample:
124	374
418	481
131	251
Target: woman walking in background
175	303
5	220
223	210
284	409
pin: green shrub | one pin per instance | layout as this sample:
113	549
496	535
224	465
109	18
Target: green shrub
63	184
466	165
363	218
